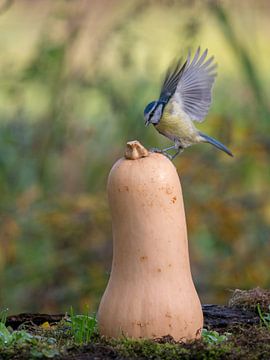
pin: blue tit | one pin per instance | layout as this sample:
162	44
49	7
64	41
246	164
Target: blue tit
185	98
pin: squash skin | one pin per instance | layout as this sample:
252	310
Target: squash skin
150	292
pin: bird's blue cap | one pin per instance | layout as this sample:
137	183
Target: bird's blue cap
149	107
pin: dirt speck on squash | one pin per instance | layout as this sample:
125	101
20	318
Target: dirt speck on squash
174	199
143	258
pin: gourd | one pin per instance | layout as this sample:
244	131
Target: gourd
150	292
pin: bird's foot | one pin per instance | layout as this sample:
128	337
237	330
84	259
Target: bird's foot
168	155
179	151
156	150
160	151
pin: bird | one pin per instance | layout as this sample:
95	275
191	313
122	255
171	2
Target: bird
185	98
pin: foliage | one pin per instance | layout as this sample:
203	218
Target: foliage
264	316
47	340
78	336
37	345
213	337
3	316
82	327
8	338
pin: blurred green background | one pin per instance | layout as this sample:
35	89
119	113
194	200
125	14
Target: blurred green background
75	77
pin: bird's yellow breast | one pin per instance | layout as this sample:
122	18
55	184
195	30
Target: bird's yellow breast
176	125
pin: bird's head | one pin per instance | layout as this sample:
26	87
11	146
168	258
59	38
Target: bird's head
153	112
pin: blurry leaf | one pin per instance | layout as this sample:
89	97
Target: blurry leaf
45	326
213	337
45	66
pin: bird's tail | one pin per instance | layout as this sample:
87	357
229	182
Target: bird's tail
217	144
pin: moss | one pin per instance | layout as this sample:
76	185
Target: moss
150	349
251	342
56	341
243	343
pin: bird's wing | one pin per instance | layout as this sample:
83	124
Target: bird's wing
171	80
195	85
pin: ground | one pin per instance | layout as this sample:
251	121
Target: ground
238	331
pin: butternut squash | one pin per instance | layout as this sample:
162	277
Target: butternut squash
150	292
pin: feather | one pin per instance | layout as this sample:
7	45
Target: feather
191	82
216	143
171	80
195	86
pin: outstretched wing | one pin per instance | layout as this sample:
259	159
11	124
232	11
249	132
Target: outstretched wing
171	80
194	88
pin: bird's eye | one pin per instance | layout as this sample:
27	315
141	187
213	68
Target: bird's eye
151	114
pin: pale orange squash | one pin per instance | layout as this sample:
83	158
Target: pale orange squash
150	291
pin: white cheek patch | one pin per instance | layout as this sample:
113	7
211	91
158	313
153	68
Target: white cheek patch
146	117
157	115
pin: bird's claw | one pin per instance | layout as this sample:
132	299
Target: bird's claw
156	150
167	155
160	151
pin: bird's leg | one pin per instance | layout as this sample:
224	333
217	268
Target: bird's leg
176	146
169	148
162	151
167	155
179	150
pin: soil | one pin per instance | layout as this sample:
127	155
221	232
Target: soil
248	339
216	317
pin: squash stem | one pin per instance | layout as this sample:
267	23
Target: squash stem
135	150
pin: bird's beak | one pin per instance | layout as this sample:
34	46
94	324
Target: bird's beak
146	123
